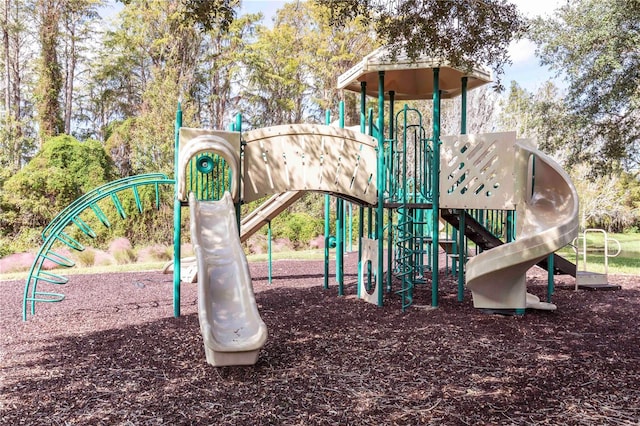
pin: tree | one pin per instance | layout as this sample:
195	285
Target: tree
277	72
16	132
460	31
292	69
481	111
594	45
50	79
608	202
334	50
150	67
77	19
219	71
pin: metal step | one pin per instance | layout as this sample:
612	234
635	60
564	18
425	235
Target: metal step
586	280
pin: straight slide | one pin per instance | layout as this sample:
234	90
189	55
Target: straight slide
546	219
266	211
230	323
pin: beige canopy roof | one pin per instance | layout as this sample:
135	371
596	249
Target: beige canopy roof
410	79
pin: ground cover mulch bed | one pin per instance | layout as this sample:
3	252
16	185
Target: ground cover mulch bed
112	353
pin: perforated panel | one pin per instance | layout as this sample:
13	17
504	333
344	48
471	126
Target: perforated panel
310	157
477	171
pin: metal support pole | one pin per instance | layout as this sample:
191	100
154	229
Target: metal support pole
435	182
551	276
177	218
238	205
340	226
381	187
327	227
363	129
462	247
392	96
269	251
462	254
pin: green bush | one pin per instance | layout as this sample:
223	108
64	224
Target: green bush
63	170
299	228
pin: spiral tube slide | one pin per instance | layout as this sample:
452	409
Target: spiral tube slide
547	220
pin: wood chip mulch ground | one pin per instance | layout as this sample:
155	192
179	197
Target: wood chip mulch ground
112	353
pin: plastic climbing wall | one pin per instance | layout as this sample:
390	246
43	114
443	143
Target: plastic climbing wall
477	171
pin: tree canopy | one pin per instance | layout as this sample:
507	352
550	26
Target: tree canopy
465	33
595	46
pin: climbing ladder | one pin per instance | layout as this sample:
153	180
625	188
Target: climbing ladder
55	232
410	194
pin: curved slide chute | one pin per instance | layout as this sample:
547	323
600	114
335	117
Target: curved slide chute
547	220
280	160
232	329
231	326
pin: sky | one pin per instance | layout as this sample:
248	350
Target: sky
525	70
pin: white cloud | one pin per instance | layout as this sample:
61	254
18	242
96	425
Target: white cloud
522	51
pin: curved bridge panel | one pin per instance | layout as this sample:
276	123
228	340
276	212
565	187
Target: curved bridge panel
306	157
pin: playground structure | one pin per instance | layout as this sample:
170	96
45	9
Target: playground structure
499	194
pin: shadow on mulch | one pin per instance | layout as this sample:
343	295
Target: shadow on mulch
328	359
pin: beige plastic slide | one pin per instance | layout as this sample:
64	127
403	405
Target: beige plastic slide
266	212
546	220
230	323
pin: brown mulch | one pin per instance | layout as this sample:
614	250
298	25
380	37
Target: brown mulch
112	353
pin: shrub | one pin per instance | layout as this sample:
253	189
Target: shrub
122	251
299	228
86	257
155	253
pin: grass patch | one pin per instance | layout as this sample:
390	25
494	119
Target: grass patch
315	254
99	269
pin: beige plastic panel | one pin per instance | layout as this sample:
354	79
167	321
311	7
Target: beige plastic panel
369	254
306	157
186	134
199	141
477	171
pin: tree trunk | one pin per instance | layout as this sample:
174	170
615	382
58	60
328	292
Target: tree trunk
50	78
70	74
7	58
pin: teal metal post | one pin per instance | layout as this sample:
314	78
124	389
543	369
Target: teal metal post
462	254
392	95
435	185
550	277
177	218
340	225
269	251
339	244
350	233
327	227
381	187
511	230
363	129
238	128
463	106
462	246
